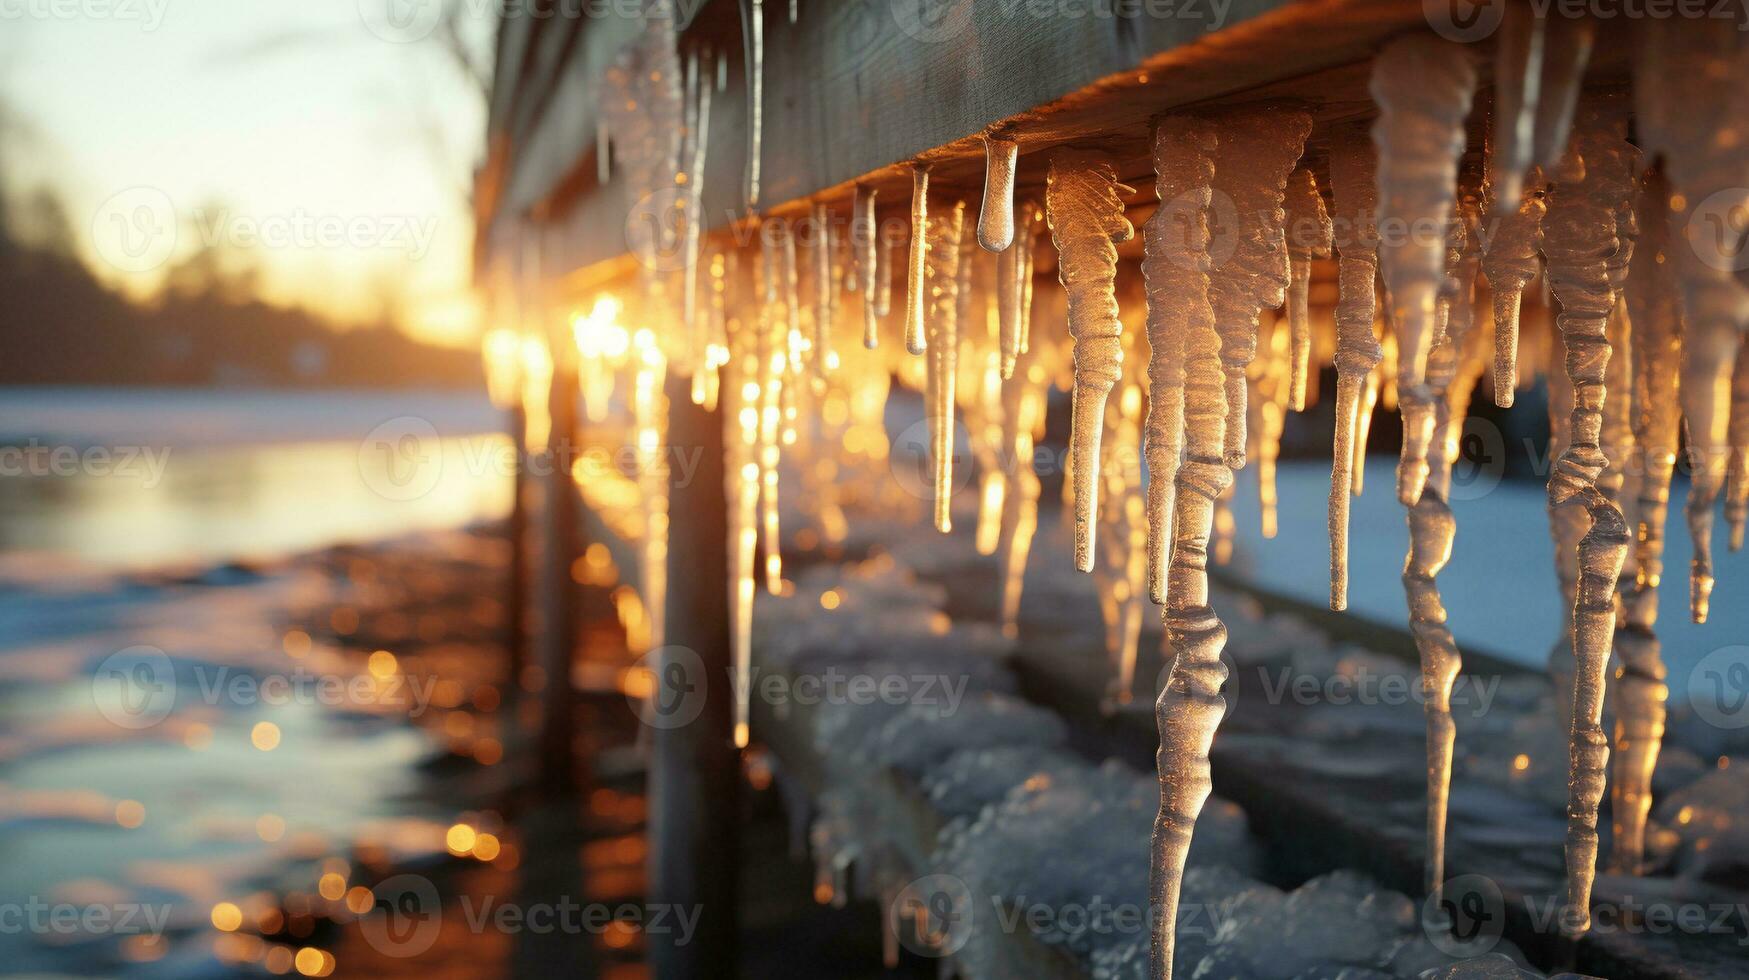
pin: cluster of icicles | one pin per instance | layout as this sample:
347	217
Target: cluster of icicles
1177	388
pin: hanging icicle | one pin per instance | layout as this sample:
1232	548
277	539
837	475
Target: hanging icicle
996	217
915	341
1190	705
1175	268
820	248
753	23
1256	153
1086	220
1309	236
942	272
1353	170
1423	87
864	247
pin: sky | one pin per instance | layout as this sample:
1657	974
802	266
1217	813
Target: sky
330	150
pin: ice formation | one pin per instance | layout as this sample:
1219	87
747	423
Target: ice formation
996	217
820	250
915	299
753	19
1175	268
1309	236
944	232
1190	705
1638	690
1257	151
1087	220
1693	120
1354	187
1423	87
864	246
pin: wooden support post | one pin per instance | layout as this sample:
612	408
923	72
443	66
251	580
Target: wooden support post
516	577
560	622
695	770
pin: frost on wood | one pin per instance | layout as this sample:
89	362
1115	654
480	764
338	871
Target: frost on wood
943	273
1190	705
1355	191
914	296
1175	268
1640	692
1257	151
1423	86
1086	220
1579	238
996	217
1309	236
1691	110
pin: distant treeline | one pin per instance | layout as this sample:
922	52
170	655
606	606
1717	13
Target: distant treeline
60	326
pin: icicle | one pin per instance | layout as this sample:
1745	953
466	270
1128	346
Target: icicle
1023	415
1175	268
1691	111
1510	263
1578	239
1086	220
1256	153
996	218
1121	565
1272	378
1639	691
1369	400
1431	529
1309	236
1031	218
884	299
742	473
821	249
699	106
1737	495
1355	190
1452	354
915	341
1008	290
753	18
943	270
1566	49
1601	553
862	242
1190	705
774	366
1423	86
1518	57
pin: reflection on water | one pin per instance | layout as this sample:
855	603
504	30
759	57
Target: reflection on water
202	486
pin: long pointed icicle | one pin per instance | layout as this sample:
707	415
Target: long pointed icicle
1431	529
1190	705
773	366
1353	183
1309	236
1694	120
996	217
1737	485
1640	692
1175	269
943	273
1579	238
864	247
820	249
1257	151
915	341
754	19
742	473
1423	86
1087	220
1510	263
